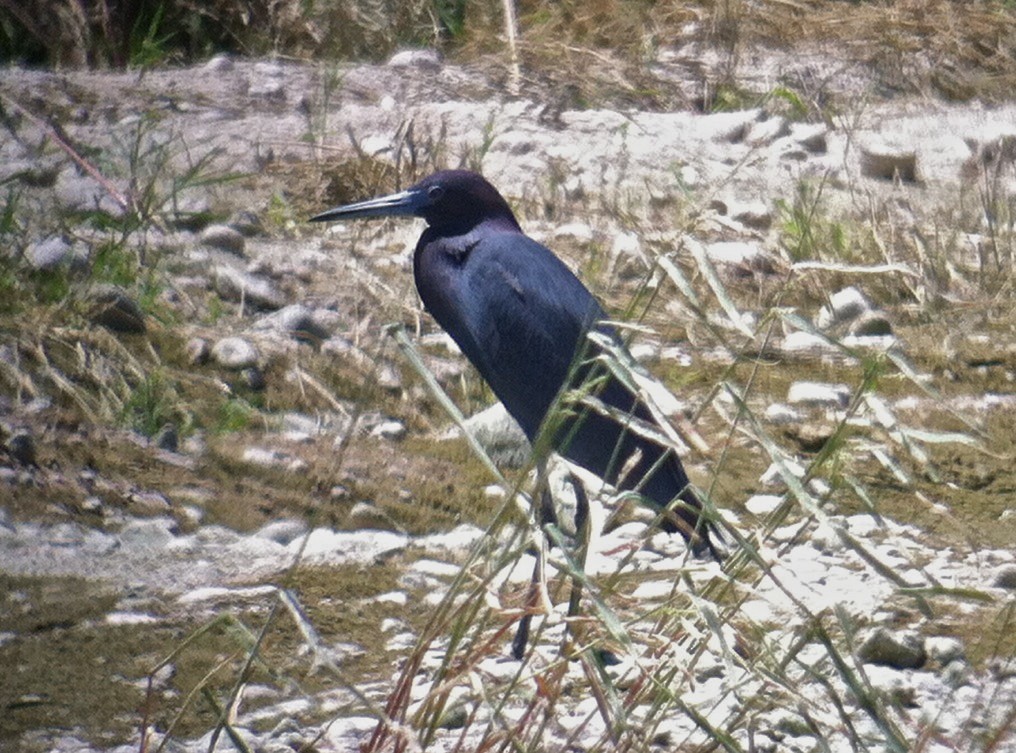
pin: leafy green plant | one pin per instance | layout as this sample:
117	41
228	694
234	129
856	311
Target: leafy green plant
12	237
473	157
452	16
50	286
150	405
149	43
807	233
731	97
235	415
795	106
113	262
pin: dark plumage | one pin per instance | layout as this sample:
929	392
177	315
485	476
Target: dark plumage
521	316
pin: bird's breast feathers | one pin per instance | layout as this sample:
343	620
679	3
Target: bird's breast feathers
513	307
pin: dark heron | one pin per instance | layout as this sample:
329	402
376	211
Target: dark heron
522	318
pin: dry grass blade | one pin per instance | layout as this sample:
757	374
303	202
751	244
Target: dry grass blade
708	271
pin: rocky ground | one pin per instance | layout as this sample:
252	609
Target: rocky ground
210	442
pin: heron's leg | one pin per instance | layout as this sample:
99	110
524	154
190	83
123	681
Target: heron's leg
582	537
538	584
538	588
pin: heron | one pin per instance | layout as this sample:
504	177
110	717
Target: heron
533	331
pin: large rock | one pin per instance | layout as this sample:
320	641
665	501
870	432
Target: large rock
235	353
900	650
49	253
111	307
224	238
885	160
844	305
80	193
871	324
296	320
500	435
344	547
236	285
1005	577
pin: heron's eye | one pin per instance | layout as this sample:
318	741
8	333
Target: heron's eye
434	193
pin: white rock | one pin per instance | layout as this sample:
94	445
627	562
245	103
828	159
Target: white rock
806	343
773	477
819	487
220	63
434	569
645	352
282	531
131	618
340	547
653	590
235	353
346	732
376	144
149	533
393	430
819	394
689	177
574	231
500	668
763	504
747	254
398	598
782	414
943	650
678	354
388	624
627	245
425	60
844	305
458	540
270	68
864	525
272	458
827	540
49	253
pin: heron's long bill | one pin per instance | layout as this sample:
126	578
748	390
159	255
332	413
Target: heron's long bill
402	204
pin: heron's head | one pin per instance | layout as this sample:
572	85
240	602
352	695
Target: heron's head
452	201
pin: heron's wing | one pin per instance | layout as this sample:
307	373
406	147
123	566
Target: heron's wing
526	314
521	316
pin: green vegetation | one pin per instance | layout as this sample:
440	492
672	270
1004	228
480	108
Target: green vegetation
941	467
150	405
594	51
